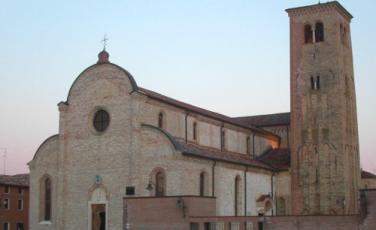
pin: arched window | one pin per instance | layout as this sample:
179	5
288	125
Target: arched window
45	197
319	32
194	131
202	184
308	37
160	182
236	194
160	120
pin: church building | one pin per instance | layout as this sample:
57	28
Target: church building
117	140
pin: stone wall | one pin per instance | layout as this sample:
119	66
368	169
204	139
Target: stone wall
45	163
165	213
81	160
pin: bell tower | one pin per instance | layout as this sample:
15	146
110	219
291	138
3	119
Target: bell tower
324	132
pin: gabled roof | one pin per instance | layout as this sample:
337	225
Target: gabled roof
275	119
15	180
204	112
276	158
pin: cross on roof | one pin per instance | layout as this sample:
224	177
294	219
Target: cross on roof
104	41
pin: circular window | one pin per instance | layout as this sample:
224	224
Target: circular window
101	120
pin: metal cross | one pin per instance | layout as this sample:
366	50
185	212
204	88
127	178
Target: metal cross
104	41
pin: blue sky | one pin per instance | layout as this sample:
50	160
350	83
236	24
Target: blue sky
231	57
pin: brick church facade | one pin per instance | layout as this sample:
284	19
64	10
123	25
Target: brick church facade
121	147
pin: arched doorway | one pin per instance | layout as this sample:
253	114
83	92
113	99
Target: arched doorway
98	210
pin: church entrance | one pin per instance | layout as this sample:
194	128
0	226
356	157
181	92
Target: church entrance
97	209
98	217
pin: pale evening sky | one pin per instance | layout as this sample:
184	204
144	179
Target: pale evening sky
230	57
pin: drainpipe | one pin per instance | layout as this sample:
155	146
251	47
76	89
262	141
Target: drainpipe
213	177
272	188
245	191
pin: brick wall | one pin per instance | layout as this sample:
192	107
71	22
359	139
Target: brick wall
13	215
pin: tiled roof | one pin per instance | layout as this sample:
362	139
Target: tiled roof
367	175
276	158
214	154
321	5
202	111
16	180
263	197
190	149
265	120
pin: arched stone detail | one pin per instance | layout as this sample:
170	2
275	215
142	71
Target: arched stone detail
203	183
281	206
157	182
44	209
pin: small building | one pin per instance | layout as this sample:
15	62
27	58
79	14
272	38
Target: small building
368	180
14	202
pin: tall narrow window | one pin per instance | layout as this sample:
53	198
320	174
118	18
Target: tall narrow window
318	82
6	226
194	131
308	37
47	199
236	193
319	32
6	189
281	206
223	135
20	205
312	83
6	203
159	184
248	147
160	120
344	39
202	183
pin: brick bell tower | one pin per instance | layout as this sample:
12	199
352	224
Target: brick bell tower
325	165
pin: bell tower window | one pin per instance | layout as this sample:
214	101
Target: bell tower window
319	32
315	83
308	35
318	82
